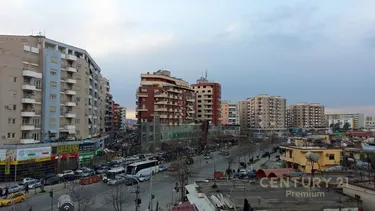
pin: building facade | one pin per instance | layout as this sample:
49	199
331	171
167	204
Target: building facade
306	115
370	122
229	113
267	114
49	91
243	116
170	99
358	119
208	104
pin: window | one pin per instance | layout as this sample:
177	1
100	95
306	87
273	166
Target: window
53	72
9	121
53	59
78	121
14	121
52	122
52	97
13	135
15	79
9	135
52	109
331	157
14	107
53	84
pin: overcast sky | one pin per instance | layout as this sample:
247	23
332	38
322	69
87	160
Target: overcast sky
305	51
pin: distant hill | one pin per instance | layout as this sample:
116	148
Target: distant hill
131	121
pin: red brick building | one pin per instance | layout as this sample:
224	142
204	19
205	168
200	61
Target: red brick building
208	106
170	98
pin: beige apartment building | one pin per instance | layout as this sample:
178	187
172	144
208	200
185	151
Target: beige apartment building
49	90
229	113
306	115
267	114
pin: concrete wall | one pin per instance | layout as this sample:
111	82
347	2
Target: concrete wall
47	91
367	195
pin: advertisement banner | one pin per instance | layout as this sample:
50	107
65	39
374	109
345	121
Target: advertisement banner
7	156
37	154
67	149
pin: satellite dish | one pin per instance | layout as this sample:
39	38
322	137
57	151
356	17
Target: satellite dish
312	157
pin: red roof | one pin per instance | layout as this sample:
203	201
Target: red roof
359	133
273	172
184	207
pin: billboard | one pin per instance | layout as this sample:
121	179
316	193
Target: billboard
67	149
41	153
7	154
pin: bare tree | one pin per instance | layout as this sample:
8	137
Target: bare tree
117	196
83	198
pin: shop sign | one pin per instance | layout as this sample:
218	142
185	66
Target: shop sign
86	155
7	156
67	149
87	147
34	153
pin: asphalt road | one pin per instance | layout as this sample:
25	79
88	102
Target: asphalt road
162	188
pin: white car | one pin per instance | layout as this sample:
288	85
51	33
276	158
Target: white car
27	180
66	172
80	170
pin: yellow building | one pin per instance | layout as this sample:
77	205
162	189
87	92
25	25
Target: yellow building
294	156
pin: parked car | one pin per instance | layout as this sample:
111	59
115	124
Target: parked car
68	177
207	156
163	168
13	199
144	177
34	184
26	180
66	172
80	170
102	170
15	188
50	175
118	180
52	181
88	173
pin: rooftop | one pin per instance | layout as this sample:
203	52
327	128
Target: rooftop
266	198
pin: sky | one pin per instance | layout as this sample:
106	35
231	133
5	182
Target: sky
306	51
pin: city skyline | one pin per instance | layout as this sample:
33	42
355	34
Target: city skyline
317	52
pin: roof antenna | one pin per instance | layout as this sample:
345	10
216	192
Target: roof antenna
206	75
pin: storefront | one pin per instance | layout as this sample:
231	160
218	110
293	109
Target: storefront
65	156
86	159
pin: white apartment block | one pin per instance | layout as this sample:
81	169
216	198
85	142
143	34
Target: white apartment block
306	115
358	119
49	90
267	113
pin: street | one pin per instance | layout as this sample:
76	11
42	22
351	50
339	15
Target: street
162	188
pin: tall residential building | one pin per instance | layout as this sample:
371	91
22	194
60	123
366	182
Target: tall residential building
229	113
358	119
107	105
243	116
49	90
169	98
370	122
208	100
306	115
123	117
267	113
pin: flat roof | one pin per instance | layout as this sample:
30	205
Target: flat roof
310	147
267	198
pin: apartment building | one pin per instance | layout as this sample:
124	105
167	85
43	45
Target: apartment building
306	115
106	105
49	91
229	113
358	119
243	116
208	100
267	113
171	99
370	122
123	117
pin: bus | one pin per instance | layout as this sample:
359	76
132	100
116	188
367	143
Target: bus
111	174
145	168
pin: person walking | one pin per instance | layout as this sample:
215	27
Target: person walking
6	192
1	193
26	188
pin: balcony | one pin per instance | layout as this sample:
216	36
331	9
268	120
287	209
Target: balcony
27	127
287	159
31	74
28	86
161	109
27	113
142	109
63	56
29	141
175	91
162	102
70	80
28	100
71	57
70	115
142	94
70	127
90	87
191	100
70	92
71	69
70	104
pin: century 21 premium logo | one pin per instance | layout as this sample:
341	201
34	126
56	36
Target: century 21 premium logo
317	182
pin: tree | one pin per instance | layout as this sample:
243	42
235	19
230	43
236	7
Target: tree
117	196
346	126
84	198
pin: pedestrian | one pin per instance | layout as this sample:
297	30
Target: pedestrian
1	192
6	192
26	188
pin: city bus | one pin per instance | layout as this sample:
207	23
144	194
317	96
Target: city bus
111	174
142	168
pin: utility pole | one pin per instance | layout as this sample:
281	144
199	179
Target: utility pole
151	196
138	199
